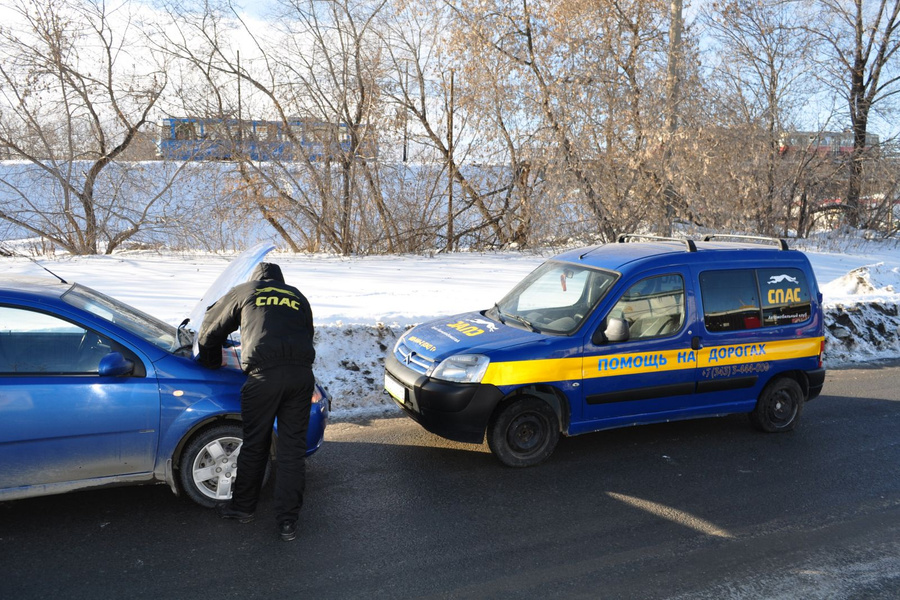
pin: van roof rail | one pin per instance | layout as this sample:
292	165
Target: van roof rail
625	237
782	244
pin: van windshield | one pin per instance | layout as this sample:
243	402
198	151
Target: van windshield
555	298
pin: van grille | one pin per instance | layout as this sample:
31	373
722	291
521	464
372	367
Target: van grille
413	360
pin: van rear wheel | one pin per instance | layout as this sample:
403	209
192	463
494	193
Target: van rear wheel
524	433
779	406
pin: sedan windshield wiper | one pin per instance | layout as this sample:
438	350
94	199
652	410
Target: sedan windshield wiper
183	343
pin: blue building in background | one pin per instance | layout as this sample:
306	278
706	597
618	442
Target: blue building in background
189	138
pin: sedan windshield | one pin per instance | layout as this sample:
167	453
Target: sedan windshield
147	327
554	298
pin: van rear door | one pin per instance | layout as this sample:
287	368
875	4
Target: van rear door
756	323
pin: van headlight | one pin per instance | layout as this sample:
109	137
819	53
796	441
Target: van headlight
462	368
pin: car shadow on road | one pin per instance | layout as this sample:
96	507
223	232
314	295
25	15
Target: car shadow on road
387	496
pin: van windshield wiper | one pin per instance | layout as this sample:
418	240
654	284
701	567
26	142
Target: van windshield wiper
523	321
514	317
499	313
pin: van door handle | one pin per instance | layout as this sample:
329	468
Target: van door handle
695	343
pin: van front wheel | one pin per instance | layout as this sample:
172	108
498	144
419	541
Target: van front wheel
778	407
524	433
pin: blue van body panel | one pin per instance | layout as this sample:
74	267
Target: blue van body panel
691	371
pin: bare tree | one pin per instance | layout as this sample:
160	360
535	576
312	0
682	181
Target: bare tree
861	39
591	78
465	123
334	60
429	88
76	89
316	73
674	70
762	73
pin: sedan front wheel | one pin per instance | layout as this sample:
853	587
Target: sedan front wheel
209	464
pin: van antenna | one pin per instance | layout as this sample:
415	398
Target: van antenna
5	250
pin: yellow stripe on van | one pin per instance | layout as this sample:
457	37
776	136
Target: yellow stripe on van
521	372
759	352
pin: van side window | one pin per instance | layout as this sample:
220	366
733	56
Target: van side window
653	307
740	299
730	300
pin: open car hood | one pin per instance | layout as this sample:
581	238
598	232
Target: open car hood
238	271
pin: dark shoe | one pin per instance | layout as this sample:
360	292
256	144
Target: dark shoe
287	530
226	511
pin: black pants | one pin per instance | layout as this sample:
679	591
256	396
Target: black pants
284	392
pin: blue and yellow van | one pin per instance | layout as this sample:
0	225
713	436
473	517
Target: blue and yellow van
644	330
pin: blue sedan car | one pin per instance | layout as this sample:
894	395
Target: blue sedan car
94	392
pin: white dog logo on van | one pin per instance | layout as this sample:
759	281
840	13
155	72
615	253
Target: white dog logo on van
781	279
490	326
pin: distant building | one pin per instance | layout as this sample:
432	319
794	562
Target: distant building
189	138
822	142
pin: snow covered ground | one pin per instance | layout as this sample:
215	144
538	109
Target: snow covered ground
361	305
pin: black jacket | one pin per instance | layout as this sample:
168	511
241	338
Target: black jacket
275	320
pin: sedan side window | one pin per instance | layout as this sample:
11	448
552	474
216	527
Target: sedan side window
33	342
653	307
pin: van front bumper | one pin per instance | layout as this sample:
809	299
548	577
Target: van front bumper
456	411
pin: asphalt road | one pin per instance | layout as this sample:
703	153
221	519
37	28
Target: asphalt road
701	509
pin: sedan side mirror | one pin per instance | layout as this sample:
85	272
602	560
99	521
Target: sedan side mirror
115	364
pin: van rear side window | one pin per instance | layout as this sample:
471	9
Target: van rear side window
738	299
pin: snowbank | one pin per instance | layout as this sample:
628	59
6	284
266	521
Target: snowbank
865	323
361	305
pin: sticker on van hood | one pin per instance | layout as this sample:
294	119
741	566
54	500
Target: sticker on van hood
463	332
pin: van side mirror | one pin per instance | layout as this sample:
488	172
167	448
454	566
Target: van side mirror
115	364
616	331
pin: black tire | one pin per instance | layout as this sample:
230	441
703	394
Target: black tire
524	432
779	406
208	464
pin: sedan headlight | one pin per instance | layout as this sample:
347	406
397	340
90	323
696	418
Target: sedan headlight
462	368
